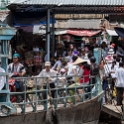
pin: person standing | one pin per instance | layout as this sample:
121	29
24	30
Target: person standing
17	69
2	79
71	70
58	63
94	69
119	83
70	55
51	74
106	75
120	52
113	70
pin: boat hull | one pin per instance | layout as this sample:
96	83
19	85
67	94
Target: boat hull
83	113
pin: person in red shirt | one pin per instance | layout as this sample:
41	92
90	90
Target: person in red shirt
86	74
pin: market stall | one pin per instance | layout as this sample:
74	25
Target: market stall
31	49
76	38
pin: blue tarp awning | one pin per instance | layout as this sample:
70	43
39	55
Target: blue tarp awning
30	18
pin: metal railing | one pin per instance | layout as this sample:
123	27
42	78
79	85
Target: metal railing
64	93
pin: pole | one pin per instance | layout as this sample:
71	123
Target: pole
48	34
53	37
3	60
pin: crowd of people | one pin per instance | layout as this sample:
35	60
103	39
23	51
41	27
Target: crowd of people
77	66
112	71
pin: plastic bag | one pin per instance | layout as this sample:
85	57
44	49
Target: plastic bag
114	92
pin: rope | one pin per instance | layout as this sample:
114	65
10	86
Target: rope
117	108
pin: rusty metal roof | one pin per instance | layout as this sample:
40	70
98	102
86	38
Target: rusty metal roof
70	6
71	2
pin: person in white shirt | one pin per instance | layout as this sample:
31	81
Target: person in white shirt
70	66
107	71
114	67
71	70
70	55
118	60
62	78
51	75
119	75
107	68
58	63
2	79
86	58
83	54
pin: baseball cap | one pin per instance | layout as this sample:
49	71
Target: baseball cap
47	63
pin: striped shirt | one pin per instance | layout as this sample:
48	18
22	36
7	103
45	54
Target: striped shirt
18	68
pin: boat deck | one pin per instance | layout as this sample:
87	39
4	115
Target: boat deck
110	109
39	108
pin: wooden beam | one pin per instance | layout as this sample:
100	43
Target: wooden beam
78	16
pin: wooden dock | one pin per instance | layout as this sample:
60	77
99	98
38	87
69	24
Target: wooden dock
112	110
111	114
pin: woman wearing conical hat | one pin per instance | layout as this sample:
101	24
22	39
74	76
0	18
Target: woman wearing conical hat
77	78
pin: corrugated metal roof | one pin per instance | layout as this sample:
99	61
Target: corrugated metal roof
71	2
80	24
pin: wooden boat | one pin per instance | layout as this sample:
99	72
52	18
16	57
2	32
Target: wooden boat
85	111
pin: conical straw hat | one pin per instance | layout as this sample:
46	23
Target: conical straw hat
79	61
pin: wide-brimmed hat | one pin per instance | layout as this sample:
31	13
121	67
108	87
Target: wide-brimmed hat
109	58
47	63
111	51
79	61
